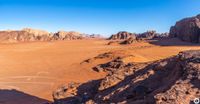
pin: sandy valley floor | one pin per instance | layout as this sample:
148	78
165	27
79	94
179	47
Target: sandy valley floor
39	67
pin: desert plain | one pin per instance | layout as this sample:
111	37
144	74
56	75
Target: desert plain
38	68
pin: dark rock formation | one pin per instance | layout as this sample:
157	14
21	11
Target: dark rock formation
162	35
66	91
129	41
170	81
147	35
187	29
122	36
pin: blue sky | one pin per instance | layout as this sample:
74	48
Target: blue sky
95	16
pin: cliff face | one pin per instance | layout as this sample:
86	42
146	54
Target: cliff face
187	29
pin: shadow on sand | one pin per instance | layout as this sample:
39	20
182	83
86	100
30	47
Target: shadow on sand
18	97
171	42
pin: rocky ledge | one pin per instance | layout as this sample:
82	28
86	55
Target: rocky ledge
174	80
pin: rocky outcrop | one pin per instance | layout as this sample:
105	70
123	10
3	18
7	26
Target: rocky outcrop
122	36
147	35
187	29
129	38
170	81
64	35
66	91
151	35
24	35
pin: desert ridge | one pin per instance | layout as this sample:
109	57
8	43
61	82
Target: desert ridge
30	35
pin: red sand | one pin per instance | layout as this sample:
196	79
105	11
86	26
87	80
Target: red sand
39	67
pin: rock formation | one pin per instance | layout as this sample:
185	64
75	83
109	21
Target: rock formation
151	35
147	35
122	36
187	29
129	38
27	35
36	32
97	36
169	81
38	35
23	36
64	35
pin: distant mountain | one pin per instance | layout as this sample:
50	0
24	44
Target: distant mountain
28	34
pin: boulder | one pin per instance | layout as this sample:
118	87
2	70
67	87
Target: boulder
187	29
65	91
